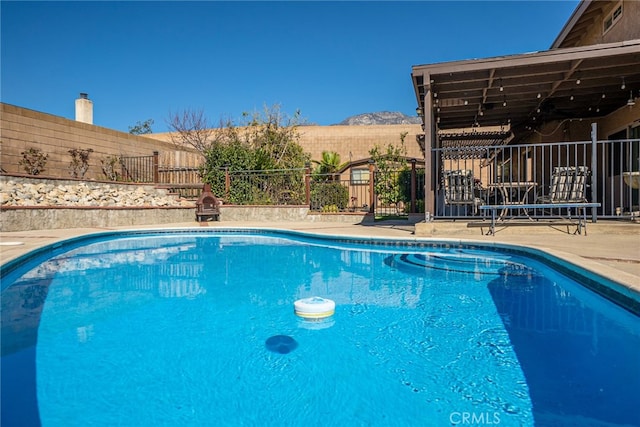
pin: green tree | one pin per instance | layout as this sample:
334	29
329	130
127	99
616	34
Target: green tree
275	137
232	156
390	163
141	128
263	142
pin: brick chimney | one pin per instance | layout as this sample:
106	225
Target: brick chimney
84	109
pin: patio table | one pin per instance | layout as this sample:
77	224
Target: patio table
514	193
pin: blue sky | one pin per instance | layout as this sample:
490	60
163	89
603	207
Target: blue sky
330	60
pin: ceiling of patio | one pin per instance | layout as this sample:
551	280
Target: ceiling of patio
529	89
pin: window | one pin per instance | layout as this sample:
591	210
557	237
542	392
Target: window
612	18
359	176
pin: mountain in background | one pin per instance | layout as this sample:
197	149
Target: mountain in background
380	118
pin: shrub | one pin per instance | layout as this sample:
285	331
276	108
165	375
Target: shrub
109	166
79	161
330	208
328	194
33	161
404	180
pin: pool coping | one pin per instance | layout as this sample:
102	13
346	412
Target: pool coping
621	288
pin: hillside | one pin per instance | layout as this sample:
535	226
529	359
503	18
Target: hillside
380	118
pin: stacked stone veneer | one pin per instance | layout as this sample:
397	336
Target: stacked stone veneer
33	204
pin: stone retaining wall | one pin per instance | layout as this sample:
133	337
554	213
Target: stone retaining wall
36	204
286	213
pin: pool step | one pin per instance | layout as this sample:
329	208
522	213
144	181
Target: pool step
459	262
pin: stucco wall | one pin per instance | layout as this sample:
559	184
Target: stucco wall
619	120
580	130
625	29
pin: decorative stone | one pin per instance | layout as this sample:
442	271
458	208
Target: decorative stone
16	193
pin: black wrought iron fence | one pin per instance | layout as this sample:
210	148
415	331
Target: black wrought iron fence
139	168
399	192
329	193
262	187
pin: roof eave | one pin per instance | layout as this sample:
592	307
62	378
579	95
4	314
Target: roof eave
573	20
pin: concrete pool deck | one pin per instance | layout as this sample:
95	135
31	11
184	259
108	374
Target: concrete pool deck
610	249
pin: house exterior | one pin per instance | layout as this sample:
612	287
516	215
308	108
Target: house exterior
588	80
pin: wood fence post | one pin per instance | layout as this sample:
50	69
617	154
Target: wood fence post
156	167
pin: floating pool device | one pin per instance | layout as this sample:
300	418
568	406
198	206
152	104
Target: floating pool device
314	308
316	324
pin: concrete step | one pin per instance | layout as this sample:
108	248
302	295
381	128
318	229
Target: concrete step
449	228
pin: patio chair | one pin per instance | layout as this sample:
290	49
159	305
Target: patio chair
567	191
459	189
568	185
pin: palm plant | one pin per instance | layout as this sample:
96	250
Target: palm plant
329	166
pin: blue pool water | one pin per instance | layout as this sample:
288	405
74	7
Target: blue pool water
194	328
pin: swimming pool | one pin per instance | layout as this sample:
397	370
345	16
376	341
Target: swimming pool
175	328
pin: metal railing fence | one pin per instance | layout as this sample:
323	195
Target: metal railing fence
522	174
262	187
331	194
512	173
399	192
139	168
618	183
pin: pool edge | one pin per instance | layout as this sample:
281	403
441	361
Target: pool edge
622	289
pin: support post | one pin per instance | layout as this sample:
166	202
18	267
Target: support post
594	169
307	184
429	143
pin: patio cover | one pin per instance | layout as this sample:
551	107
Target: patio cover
469	143
523	91
526	90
